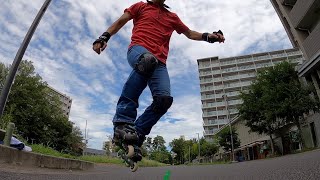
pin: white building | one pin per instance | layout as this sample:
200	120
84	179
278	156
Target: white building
226	77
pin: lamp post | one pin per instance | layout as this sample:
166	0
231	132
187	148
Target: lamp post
189	154
228	117
199	146
14	67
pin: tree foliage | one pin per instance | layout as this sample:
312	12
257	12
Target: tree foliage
224	139
188	150
36	112
275	100
156	150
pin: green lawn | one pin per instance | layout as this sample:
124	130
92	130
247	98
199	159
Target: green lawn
95	159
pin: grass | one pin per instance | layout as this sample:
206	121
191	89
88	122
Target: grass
216	162
212	163
95	159
101	159
37	148
150	163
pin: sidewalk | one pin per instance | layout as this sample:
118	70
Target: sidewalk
29	159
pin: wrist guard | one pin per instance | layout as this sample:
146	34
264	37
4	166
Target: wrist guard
205	37
104	38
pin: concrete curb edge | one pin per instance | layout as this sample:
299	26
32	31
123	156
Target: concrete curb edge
22	158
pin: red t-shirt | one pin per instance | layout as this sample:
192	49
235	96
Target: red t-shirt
153	27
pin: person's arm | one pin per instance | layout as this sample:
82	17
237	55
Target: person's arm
101	43
117	25
209	37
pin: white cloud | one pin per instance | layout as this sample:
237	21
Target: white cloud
61	52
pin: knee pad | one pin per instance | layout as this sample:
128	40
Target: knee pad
146	65
161	104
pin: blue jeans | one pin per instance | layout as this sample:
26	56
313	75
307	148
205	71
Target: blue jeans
159	84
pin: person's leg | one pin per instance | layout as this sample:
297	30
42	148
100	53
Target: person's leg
126	111
159	84
143	64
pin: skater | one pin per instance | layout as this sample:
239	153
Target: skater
154	24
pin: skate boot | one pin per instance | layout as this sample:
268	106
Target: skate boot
126	137
137	148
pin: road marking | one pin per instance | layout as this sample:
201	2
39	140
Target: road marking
167	175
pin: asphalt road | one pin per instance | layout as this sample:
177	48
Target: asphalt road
303	166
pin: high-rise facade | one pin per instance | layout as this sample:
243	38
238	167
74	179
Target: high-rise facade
65	100
221	81
301	20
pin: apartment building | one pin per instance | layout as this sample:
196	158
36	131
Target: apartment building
221	81
301	20
65	100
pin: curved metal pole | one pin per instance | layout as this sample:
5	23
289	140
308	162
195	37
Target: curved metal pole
14	67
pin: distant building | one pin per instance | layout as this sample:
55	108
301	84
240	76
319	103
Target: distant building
183	137
301	20
65	100
226	77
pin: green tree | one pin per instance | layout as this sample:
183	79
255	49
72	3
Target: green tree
178	147
276	100
158	143
35	112
159	151
224	139
74	141
208	149
147	147
161	156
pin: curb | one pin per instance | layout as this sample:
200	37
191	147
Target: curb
22	158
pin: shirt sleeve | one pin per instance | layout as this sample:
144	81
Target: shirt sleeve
179	26
134	9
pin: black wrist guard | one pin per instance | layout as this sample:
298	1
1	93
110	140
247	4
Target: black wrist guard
205	37
104	38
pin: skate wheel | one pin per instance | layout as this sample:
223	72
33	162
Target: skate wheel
126	164
130	151
134	167
119	153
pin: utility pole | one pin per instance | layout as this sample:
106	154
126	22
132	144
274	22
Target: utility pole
189	154
14	67
85	138
228	117
199	146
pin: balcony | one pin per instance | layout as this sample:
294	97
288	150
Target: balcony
210	114
244	60
210	132
230	78
235	102
232	94
205	73
261	58
206	81
206	97
207	89
304	13
288	2
213	105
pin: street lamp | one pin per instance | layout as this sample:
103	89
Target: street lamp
225	97
19	55
199	146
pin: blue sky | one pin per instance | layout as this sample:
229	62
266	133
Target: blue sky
61	50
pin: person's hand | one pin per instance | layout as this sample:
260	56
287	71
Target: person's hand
101	43
218	36
98	47
213	37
